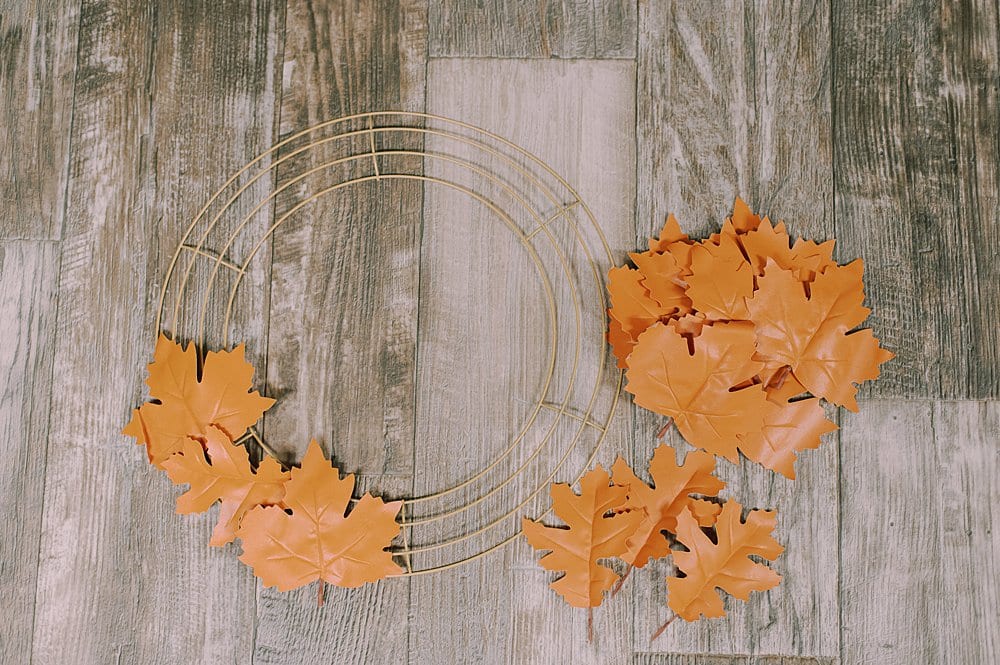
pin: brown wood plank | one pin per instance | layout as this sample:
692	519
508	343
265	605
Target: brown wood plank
920	550
343	309
28	276
38	43
916	121
170	100
516	29
749	115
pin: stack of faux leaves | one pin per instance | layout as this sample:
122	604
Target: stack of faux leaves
291	523
738	337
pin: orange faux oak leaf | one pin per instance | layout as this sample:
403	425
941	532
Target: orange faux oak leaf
695	388
226	476
674	485
593	532
315	541
724	564
186	403
810	331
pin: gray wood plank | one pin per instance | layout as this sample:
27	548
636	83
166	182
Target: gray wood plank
746	115
483	346
918	186
514	29
343	308
919	546
169	101
28	275
38	43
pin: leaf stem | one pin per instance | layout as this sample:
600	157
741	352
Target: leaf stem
659	631
590	624
621	581
319	594
663	431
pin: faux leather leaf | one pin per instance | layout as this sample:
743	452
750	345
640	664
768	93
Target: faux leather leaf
226	476
725	564
631	304
788	428
810	332
663	277
621	343
694	388
186	404
743	219
316	541
720	282
662	503
670	234
591	534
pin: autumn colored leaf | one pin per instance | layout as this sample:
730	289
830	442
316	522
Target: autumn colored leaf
631	304
316	541
788	427
663	277
743	219
186	403
621	343
695	388
226	476
591	534
661	503
811	334
720	282
670	235
724	564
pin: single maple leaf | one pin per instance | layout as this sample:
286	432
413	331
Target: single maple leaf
724	564
810	332
788	428
631	304
669	235
768	242
743	219
694	388
662	503
720	282
187	404
663	278
316	541
593	532
225	476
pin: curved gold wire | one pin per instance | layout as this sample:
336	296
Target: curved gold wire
541	226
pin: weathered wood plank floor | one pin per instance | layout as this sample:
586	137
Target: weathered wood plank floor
405	325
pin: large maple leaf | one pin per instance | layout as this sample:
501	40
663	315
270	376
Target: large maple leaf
593	532
810	332
724	564
226	476
694	387
662	503
316	541
186	403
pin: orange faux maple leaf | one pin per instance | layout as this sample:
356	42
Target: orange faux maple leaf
186	403
694	386
724	564
226	476
661	504
591	534
810	331
316	541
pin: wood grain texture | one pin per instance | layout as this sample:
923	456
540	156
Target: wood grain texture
916	131
38	43
170	99
28	276
708	659
343	309
516	29
481	300
749	115
920	552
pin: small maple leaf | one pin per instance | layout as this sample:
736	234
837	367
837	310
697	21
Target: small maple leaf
788	427
810	332
724	564
720	280
316	541
225	476
663	276
695	388
661	504
591	534
631	304
186	404
670	236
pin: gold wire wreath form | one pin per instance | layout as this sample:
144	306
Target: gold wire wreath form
365	148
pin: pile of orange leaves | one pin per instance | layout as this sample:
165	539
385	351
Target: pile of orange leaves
737	339
292	523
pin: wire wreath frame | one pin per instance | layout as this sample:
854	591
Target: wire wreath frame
220	246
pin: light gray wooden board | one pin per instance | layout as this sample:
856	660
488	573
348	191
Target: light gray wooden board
37	61
499	608
343	311
28	274
920	552
748	114
156	127
918	186
515	29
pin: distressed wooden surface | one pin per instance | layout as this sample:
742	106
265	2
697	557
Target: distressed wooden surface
873	123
